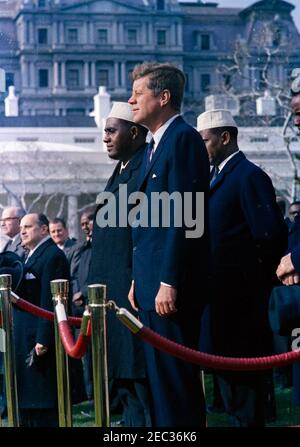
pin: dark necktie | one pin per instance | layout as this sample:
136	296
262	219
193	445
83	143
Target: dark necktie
213	174
150	150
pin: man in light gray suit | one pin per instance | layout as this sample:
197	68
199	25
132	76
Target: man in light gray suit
10	226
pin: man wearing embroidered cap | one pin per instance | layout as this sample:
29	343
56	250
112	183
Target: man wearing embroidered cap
248	237
111	262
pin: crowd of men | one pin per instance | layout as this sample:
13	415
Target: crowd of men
209	292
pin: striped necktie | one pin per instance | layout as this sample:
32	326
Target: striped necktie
213	174
150	150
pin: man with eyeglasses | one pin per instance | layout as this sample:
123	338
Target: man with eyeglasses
10	227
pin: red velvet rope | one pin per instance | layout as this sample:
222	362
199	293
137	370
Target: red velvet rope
214	361
75	350
43	313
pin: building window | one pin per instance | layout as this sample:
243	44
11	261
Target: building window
202	41
205	42
263	139
132	36
43	78
161	36
205	83
160	5
9	80
42	36
102	36
102	77
73	78
72	35
84	140
75	112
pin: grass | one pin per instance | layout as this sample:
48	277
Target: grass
287	414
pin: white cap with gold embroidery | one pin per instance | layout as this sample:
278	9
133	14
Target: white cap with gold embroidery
122	111
215	118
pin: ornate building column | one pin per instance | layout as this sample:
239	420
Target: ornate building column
116	70
55	74
73	220
86	75
123	75
24	73
114	33
63	74
93	74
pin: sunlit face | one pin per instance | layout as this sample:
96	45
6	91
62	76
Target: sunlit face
10	224
86	224
31	232
58	233
145	106
214	146
295	104
118	138
294	210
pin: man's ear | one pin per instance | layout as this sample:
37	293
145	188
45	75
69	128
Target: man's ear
134	132
165	97
226	138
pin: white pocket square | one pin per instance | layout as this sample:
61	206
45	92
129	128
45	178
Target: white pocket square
29	276
154	176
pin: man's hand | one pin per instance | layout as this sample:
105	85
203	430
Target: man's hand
77	299
285	267
40	349
290	280
131	297
165	300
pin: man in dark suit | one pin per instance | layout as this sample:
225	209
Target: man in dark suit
60	234
248	236
288	270
10	227
111	264
37	388
170	263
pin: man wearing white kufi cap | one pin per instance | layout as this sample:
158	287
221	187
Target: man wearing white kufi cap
111	264
248	237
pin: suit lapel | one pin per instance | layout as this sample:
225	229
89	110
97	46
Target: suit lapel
38	252
123	178
226	170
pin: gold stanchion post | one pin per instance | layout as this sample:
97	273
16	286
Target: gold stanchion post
60	293
97	308
9	351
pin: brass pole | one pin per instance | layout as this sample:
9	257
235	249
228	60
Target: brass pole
9	352
97	308
60	293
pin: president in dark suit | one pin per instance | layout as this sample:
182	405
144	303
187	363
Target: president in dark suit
288	270
170	253
111	264
248	236
37	388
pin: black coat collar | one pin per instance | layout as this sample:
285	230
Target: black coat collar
39	252
134	163
227	169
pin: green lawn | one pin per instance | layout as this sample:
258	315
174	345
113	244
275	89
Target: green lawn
287	415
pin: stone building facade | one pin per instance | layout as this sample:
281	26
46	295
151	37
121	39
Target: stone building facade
57	52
